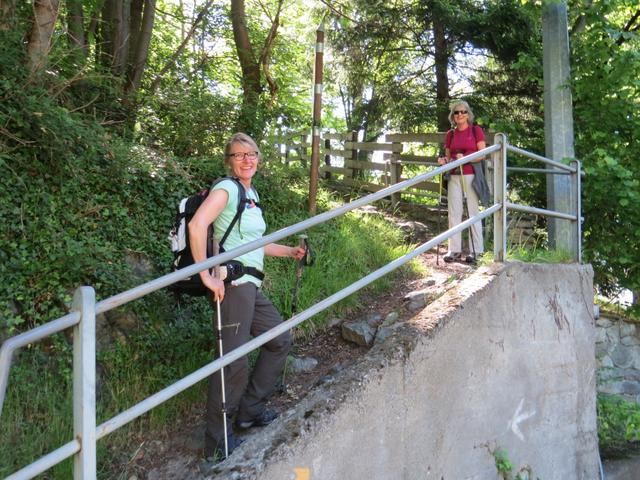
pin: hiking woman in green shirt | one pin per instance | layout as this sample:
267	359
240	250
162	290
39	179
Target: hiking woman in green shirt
245	310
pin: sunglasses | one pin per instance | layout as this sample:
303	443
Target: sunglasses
460	112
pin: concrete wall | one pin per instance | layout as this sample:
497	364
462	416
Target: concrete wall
504	361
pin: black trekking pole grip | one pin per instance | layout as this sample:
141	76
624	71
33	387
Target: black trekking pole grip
303	242
306	260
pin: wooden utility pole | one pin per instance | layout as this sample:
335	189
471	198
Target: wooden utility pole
317	114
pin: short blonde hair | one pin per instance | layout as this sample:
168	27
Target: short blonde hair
240	138
460	103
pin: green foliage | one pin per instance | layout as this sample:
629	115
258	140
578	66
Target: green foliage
605	69
503	464
612	307
187	123
618	426
539	255
45	387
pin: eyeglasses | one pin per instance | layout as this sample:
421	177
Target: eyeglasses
460	112
239	156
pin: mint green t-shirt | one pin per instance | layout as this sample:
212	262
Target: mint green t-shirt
249	227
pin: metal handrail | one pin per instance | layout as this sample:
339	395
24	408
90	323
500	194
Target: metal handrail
204	372
187	272
13	344
540	158
85	302
9	347
540	211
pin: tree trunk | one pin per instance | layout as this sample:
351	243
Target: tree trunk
7	12
104	42
45	13
442	78
120	37
135	20
75	31
114	36
266	53
141	52
251	87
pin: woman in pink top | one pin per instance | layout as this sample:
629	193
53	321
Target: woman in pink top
464	139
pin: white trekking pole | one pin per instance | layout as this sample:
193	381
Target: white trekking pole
440	205
216	271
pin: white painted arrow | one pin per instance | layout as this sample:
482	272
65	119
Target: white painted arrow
518	418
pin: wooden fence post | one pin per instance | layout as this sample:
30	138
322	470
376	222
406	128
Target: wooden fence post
396	174
355	172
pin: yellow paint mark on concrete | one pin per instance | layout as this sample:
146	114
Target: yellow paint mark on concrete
302	473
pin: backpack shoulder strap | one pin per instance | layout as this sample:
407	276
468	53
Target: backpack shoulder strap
449	138
242	200
474	130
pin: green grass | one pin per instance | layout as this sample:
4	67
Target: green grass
37	415
629	313
346	249
535	255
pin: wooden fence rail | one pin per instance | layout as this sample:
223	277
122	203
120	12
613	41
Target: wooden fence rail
370	166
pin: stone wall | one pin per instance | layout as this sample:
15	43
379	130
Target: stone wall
618	356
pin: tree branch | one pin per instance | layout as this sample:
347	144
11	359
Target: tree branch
338	12
627	27
266	51
183	45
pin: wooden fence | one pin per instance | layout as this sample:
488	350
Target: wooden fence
348	165
371	166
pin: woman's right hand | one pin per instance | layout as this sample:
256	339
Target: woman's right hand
442	160
215	285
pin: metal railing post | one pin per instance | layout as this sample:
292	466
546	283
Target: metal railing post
500	196
577	187
84	384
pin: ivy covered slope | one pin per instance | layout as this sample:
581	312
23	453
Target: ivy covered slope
75	202
79	203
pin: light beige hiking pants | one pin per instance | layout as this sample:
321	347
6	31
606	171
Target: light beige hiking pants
456	209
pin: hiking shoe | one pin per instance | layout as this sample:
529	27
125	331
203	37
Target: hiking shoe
216	454
470	259
262	420
452	257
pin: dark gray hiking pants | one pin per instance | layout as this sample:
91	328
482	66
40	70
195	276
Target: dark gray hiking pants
246	312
